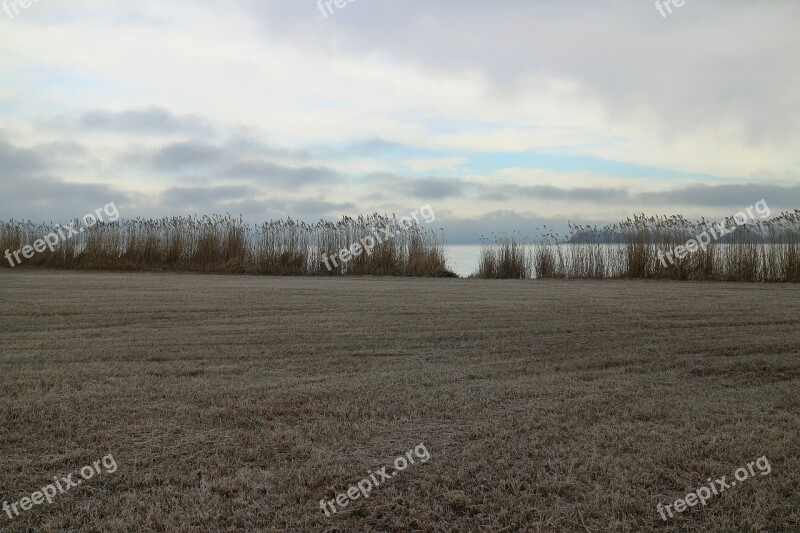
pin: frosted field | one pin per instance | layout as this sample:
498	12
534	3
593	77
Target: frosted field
242	402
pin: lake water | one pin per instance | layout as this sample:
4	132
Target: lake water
463	258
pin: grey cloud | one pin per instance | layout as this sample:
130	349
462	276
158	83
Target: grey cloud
44	199
206	198
274	173
710	64
371	147
148	120
250	146
578	194
237	158
60	151
313	210
190	154
258	211
432	188
158	120
19	161
248	202
39	160
30	190
730	196
436	189
735	197
489	192
443	188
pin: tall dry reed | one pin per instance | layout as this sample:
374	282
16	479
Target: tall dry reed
227	244
507	257
763	250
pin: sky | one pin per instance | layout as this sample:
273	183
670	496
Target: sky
501	116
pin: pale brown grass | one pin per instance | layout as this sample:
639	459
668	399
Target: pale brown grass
236	403
225	244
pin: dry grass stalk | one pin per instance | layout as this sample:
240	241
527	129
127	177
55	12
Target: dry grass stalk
227	244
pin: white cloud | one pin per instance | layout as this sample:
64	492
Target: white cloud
713	89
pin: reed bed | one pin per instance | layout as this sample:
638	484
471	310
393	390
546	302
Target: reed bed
760	251
506	257
225	244
637	248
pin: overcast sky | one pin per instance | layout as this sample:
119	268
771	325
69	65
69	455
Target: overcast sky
501	115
